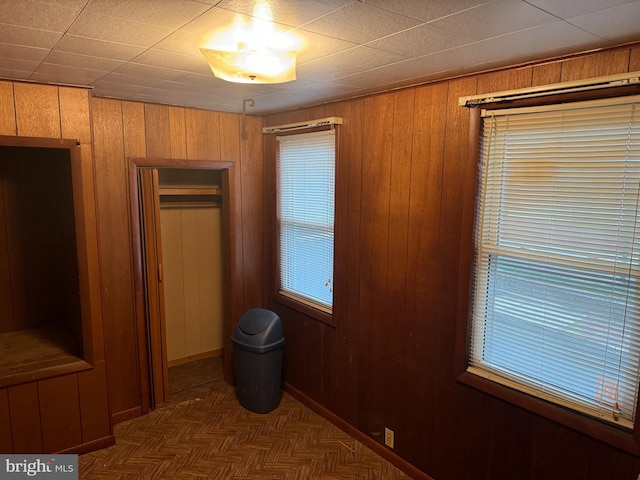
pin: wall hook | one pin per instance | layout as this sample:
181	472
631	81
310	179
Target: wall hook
244	111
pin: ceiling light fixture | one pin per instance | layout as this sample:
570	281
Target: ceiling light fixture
253	53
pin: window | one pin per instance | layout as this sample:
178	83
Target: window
555	309
305	214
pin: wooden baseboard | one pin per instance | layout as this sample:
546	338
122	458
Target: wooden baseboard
92	446
367	441
125	415
193	358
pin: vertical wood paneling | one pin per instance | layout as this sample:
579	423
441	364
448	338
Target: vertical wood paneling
74	114
157	131
75	120
356	124
495	82
7	109
192	306
203	134
25	418
133	131
550	457
178	132
37	110
210	278
546	73
192	256
252	198
395	343
446	429
94	403
374	244
6	444
172	233
233	245
60	414
115	254
596	65
634	60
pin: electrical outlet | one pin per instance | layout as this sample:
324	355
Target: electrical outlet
388	437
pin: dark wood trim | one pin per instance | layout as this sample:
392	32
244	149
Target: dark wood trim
466	245
125	415
86	260
367	441
91	446
231	276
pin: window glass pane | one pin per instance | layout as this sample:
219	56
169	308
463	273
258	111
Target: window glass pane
554	308
306	178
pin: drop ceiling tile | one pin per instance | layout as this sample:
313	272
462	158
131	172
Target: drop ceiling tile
494	19
35	15
83	61
28	37
360	23
315	46
617	24
174	61
573	8
389	74
420	40
111	29
49	73
426	11
183	43
346	63
98	48
19	65
212	21
147	71
163	13
23	53
287	12
76	4
131	81
14	74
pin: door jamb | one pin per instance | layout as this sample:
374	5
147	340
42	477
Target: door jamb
231	274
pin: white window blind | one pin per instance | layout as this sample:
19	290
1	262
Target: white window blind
306	190
555	308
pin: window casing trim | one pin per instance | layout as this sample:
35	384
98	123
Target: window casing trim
628	440
290	300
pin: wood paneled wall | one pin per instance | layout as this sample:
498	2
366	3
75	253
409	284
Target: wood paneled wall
193	283
125	129
404	200
68	412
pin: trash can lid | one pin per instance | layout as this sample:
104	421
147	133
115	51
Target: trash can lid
256	320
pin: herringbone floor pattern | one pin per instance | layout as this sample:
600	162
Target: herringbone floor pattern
203	433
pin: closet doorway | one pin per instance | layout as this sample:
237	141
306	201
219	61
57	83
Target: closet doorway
184	230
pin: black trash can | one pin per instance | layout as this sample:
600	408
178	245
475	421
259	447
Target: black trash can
257	358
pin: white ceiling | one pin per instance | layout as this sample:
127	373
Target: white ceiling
148	50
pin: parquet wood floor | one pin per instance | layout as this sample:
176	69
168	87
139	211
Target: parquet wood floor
204	433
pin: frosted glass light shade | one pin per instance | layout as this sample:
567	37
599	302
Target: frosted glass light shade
252	66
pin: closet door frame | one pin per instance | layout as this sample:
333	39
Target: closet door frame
147	342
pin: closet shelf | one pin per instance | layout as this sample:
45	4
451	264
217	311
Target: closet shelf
190	191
